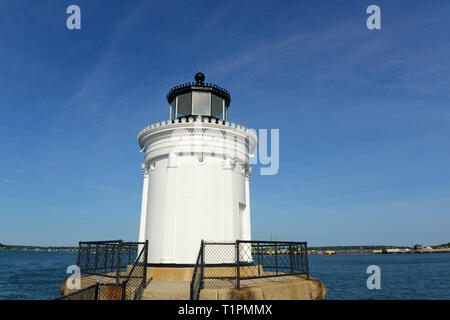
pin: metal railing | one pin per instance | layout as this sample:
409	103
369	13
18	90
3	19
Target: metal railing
197	276
88	293
234	264
134	284
119	269
107	258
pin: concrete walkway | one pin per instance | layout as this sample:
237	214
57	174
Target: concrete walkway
279	288
167	290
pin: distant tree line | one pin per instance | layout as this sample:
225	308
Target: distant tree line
18	247
367	247
444	245
371	247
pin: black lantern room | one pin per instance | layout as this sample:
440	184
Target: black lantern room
198	99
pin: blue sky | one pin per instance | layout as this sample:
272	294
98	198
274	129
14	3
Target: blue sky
364	115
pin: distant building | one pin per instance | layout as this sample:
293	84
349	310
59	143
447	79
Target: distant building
418	247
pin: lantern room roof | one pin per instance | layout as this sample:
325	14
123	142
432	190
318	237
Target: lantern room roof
199	85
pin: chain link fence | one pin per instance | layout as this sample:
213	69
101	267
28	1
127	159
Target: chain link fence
222	265
119	270
88	293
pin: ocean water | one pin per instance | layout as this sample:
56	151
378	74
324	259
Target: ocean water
39	275
403	276
33	274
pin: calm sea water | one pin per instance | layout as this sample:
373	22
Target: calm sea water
33	274
403	276
38	275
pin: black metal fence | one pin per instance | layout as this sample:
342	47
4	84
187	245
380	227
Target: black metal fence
197	276
107	258
119	269
235	264
88	293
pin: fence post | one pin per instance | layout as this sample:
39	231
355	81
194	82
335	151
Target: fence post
123	286
262	255
145	262
96	290
112	257
306	259
258	252
276	258
97	249
290	257
202	263
88	256
119	249
106	258
78	255
238	269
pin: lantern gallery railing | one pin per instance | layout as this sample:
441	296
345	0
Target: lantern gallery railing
235	264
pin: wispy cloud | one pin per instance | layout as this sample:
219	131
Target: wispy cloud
342	52
99	81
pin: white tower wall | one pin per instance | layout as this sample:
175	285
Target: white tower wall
196	186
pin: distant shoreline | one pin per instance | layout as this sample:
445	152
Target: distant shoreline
320	248
37	248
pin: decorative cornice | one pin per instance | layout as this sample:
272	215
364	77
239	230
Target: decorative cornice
198	135
209	122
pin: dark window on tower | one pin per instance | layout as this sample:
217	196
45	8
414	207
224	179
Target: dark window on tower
172	106
216	106
201	103
184	104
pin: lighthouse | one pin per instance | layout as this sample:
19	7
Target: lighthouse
196	175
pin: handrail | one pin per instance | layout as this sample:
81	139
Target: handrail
113	259
195	295
134	265
80	292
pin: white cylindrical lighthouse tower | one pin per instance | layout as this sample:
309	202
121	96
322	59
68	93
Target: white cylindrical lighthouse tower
196	175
